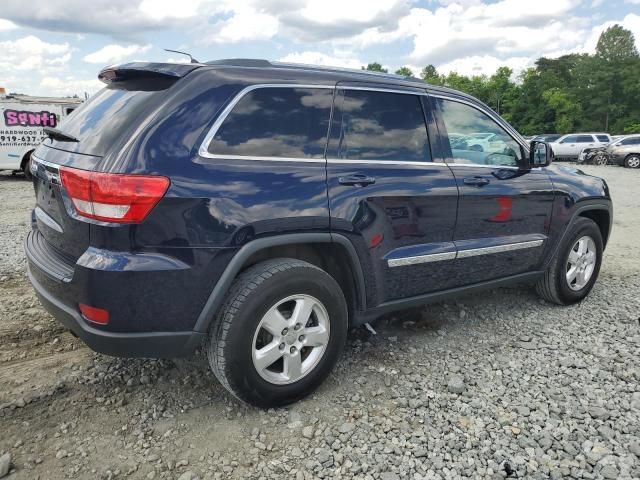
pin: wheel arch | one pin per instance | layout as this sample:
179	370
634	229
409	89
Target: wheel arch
602	218
333	253
25	158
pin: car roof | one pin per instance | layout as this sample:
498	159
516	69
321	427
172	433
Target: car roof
288	71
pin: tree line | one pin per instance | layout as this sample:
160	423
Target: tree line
576	92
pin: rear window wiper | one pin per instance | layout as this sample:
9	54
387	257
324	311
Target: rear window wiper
55	134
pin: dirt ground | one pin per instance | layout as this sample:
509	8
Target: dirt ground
66	412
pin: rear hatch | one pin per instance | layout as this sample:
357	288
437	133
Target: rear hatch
80	143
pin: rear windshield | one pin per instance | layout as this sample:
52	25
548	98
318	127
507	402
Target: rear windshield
99	121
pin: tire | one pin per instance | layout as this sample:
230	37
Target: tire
243	324
600	160
554	286
26	166
632	161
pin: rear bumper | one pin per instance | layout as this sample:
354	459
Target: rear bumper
146	344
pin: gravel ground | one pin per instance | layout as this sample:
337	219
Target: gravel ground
491	386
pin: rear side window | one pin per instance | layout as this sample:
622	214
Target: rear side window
276	122
603	138
381	126
584	139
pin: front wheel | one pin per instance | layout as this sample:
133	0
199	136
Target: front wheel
632	161
279	333
574	270
600	159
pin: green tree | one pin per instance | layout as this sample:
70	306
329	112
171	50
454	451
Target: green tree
404	71
565	108
375	67
431	76
615	44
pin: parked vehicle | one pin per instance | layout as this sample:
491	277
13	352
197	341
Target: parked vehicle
265	208
594	156
547	137
625	151
568	147
21	126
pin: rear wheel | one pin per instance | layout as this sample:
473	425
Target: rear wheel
574	270
279	332
632	161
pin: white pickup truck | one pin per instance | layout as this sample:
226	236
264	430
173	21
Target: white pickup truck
22	119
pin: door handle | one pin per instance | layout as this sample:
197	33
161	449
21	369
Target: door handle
476	181
357	179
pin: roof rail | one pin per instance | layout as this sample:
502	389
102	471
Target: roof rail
252	62
241	62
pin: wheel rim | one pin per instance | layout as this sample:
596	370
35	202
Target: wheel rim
600	160
290	339
634	162
581	263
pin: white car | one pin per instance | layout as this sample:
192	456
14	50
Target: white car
569	146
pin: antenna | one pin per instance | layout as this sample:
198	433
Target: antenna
193	60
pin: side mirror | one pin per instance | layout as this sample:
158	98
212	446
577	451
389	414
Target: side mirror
540	154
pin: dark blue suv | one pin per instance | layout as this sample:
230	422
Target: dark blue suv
264	208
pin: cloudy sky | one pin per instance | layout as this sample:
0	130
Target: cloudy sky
57	47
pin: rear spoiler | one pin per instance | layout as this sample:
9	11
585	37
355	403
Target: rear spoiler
146	71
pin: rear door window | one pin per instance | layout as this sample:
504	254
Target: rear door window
378	125
603	138
584	139
276	122
570	139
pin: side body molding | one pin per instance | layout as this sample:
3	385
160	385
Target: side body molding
235	265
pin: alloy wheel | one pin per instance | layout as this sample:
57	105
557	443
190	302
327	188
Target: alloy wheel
633	161
581	263
290	339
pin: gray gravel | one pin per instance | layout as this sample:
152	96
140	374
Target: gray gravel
513	387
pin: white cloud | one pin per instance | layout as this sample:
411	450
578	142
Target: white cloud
115	53
317	58
163	9
31	53
68	86
485	65
245	24
6	25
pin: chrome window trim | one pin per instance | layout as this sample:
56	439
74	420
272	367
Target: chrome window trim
471	252
477	165
381	162
417	92
203	151
263	159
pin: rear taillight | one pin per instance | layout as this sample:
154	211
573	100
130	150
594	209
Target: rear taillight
112	197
